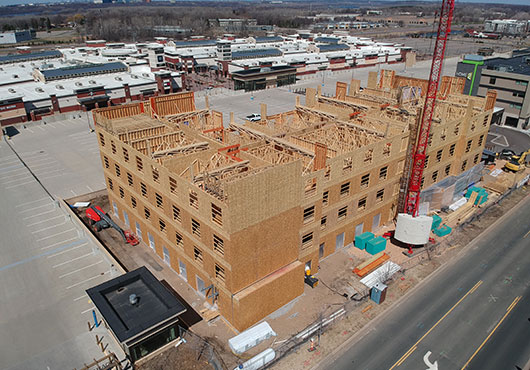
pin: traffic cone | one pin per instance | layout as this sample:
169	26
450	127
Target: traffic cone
311	345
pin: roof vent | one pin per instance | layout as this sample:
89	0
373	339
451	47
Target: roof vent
22	66
134	76
133	299
78	83
118	78
15	76
92	82
145	74
11	90
39	89
59	87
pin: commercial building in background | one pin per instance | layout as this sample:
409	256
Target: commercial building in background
510	77
510	27
212	200
14	37
40	84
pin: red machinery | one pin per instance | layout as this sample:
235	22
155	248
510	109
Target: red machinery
414	186
100	220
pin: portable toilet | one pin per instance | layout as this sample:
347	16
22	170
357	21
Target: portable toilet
378	293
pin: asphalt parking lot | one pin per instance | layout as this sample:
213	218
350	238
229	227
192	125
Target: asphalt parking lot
46	264
64	155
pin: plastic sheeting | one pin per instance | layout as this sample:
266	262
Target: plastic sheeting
450	189
258	361
251	337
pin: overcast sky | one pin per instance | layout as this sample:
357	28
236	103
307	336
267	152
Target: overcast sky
517	2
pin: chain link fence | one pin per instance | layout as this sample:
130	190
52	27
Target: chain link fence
204	350
452	239
325	321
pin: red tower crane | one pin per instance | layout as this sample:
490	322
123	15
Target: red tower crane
414	186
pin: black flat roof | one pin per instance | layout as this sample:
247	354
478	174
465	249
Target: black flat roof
15	58
519	64
155	303
264	70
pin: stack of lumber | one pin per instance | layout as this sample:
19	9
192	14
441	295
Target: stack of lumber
462	212
371	264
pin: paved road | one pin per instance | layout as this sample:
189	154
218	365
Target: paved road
507	138
484	297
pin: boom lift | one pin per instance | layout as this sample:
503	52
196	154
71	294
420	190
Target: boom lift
100	220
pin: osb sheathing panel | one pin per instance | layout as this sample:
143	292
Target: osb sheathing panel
340	90
372	79
120	111
261	249
173	104
263	299
256	198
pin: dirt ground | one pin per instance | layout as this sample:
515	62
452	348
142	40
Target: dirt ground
182	357
402	282
337	284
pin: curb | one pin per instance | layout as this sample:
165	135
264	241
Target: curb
369	326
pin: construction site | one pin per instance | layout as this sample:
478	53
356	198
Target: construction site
244	213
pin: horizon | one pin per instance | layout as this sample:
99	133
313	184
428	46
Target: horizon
26	2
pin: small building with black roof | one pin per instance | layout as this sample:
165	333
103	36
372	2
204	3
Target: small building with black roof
141	313
263	77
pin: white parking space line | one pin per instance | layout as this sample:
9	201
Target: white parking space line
48	163
21	168
43	221
10	162
54	235
86	281
7	158
73	259
30	130
80	269
27	176
89	188
79	298
52	176
46	171
73	192
40	128
39	214
31	202
48	228
90	309
37	207
44	157
77	134
61	242
24	183
17	175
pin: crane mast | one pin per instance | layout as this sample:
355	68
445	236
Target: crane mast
416	174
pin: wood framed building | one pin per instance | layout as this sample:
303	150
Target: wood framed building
239	211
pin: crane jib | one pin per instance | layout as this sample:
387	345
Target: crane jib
420	148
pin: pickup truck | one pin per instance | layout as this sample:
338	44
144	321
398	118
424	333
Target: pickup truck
254	117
